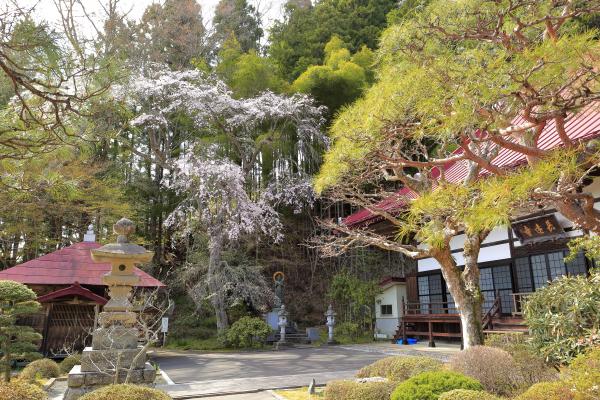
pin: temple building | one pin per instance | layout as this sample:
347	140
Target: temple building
514	260
70	288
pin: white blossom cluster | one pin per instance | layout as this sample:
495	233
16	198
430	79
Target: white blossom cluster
215	188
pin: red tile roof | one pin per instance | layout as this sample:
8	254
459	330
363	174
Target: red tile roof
581	126
67	266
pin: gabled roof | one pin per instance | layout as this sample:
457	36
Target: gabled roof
581	126
73	290
66	266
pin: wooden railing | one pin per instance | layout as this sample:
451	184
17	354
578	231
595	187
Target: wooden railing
517	302
495	310
414	308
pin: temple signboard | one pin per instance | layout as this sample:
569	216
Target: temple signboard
538	229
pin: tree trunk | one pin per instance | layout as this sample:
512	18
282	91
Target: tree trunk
6	351
464	287
214	286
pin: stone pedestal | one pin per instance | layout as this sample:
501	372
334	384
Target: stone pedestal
114	355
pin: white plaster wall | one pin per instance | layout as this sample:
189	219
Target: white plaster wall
388	324
490	253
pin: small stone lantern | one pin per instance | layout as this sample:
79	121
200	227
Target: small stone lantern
282	323
330	314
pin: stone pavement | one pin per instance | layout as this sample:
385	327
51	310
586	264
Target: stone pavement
198	375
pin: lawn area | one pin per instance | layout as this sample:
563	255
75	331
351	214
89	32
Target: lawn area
301	394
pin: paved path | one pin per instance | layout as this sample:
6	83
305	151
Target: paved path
204	374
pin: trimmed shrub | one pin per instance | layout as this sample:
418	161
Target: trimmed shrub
246	331
349	390
40	369
532	366
563	317
18	389
430	385
494	368
126	392
399	368
548	391
589	361
465	394
69	362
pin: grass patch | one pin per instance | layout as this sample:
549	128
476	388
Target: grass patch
210	344
301	394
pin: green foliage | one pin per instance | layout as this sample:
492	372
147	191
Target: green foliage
560	390
399	368
348	390
69	362
430	385
465	394
18	390
126	392
494	368
349	329
351	295
247	331
444	81
563	317
40	369
340	80
299	40
16	342
589	245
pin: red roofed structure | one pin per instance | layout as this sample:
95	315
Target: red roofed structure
70	288
67	266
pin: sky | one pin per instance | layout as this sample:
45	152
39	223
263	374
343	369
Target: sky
46	9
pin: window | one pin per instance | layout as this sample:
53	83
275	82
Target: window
430	294
536	271
496	279
386	309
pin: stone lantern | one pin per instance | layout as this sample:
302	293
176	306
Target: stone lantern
330	315
115	352
282	323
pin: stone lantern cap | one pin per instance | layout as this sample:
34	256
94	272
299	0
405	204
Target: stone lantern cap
122	249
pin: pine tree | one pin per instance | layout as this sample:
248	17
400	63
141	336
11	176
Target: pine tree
16	341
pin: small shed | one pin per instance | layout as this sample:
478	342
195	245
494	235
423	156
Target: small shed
388	306
70	288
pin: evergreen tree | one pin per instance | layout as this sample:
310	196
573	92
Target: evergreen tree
241	19
16	342
299	40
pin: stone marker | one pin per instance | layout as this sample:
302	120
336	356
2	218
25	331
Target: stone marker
312	387
114	352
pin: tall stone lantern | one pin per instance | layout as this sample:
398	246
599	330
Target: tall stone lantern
115	353
330	315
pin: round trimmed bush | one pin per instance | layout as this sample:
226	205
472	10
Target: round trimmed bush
18	389
246	331
399	368
126	392
465	394
494	368
349	390
430	385
40	369
69	362
559	390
